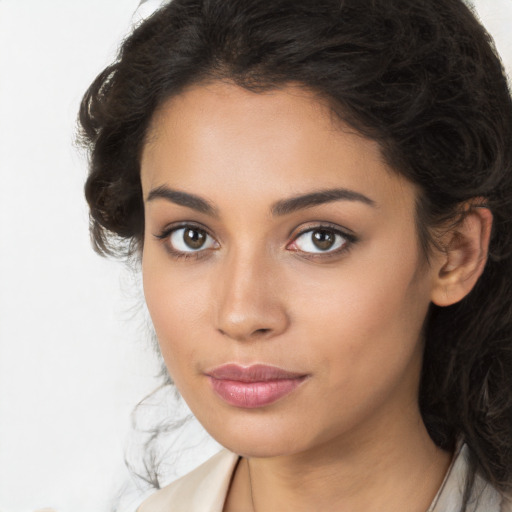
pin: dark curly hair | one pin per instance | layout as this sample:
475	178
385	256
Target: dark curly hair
423	79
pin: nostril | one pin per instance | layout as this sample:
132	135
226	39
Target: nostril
261	331
255	333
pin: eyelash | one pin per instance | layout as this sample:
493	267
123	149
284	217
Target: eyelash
180	255
350	240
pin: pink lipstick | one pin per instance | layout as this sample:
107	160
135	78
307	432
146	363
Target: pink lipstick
253	386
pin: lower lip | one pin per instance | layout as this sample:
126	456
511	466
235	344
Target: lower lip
250	395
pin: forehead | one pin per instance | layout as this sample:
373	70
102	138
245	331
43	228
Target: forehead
206	100
223	137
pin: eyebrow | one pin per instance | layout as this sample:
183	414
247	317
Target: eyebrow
286	206
183	199
280	208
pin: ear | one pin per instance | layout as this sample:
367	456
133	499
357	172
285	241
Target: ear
462	263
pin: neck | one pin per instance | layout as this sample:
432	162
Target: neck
395	469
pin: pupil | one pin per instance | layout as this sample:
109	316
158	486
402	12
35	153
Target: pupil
194	238
323	239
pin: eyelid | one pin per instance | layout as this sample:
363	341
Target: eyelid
346	233
168	229
316	225
167	232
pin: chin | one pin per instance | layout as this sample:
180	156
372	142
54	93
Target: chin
258	439
257	450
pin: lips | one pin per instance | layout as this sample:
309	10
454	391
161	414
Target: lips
253	386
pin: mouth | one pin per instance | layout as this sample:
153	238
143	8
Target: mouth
253	386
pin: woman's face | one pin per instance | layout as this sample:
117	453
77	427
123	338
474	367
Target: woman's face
276	237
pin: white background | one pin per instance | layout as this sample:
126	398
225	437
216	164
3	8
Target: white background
74	353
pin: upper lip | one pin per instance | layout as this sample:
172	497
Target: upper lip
253	373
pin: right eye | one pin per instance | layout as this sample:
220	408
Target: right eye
184	240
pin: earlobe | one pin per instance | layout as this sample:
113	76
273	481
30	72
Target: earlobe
464	258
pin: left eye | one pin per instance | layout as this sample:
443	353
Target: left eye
190	239
320	240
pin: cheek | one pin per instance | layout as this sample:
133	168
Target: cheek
357	323
178	305
368	315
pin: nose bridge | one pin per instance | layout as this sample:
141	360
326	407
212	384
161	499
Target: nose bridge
248	304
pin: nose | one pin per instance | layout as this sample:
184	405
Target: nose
249	303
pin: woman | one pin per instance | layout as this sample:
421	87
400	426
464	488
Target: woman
320	195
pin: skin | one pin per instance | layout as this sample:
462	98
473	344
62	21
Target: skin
351	436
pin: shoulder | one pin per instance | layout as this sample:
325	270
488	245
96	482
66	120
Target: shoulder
202	490
483	496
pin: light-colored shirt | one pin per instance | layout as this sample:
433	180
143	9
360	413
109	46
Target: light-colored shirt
205	489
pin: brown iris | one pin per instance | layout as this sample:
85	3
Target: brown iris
323	239
194	238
